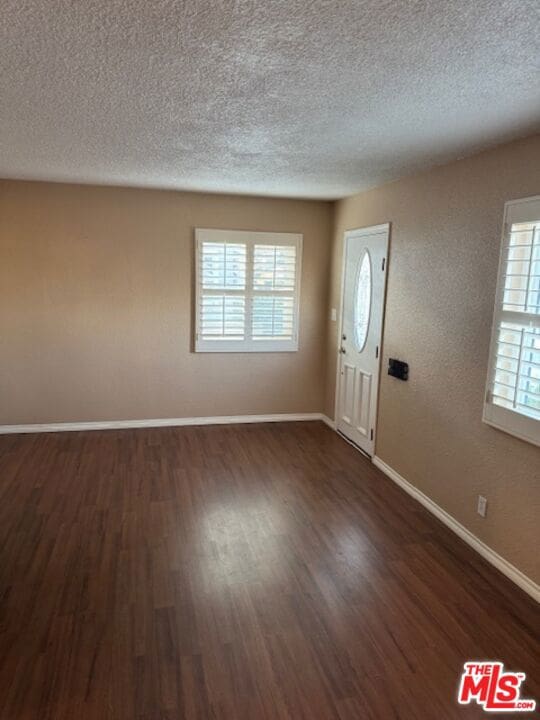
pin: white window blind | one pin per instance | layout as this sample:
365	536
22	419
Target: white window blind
513	389
248	288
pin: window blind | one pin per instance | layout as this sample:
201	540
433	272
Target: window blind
248	288
513	393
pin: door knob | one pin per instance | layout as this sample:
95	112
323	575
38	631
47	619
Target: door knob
342	350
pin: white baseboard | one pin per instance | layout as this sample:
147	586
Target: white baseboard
511	572
328	421
159	422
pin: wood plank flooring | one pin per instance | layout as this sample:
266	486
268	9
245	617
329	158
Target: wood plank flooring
253	572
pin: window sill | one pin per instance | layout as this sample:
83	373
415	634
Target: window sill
254	346
526	429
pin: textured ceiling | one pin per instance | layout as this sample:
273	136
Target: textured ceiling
306	98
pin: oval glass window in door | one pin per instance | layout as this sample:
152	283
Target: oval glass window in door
362	302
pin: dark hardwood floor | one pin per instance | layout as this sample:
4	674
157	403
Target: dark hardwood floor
253	572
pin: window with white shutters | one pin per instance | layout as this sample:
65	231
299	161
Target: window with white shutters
513	392
248	288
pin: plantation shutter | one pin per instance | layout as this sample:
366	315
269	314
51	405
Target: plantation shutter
223	284
248	288
513	392
274	284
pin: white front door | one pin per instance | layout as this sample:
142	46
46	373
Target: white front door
364	285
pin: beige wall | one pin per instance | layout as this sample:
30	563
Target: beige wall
95	306
446	229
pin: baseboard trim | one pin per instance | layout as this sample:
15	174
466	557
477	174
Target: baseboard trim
328	421
511	572
156	423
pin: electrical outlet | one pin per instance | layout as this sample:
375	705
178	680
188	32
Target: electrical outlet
482	506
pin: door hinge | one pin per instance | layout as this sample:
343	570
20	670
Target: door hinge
383	263
377	351
372	433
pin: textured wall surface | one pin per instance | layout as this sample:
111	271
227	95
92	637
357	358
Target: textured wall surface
96	303
444	250
304	98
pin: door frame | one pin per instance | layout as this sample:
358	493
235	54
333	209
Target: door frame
359	232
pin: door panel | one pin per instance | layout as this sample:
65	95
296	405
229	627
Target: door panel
363	403
348	382
364	286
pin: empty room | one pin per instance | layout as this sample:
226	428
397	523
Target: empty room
269	359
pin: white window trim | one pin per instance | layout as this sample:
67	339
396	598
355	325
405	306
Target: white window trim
250	239
513	423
